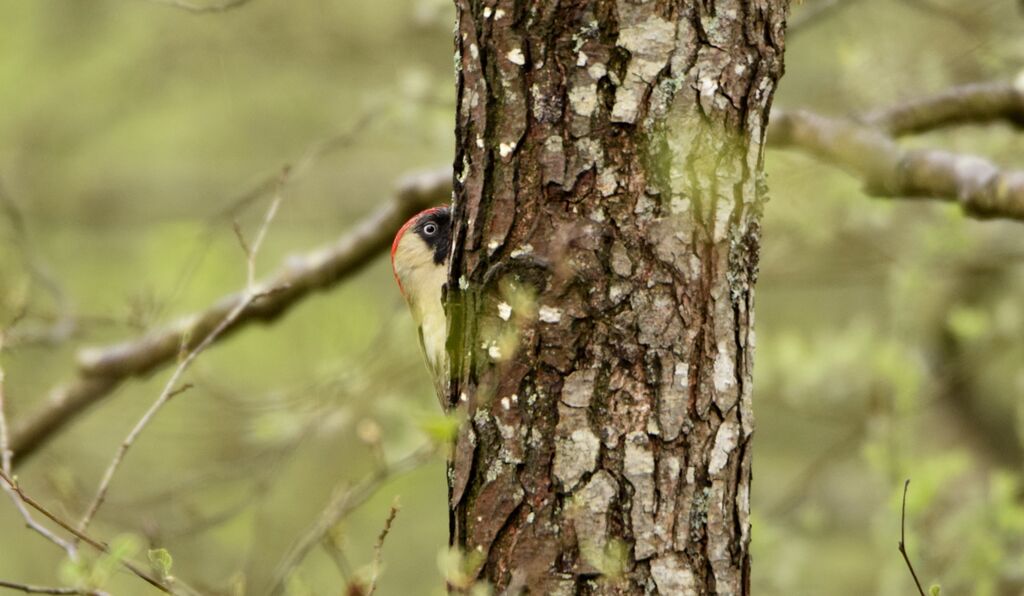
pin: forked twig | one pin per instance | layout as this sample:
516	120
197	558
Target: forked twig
82	536
342	503
6	466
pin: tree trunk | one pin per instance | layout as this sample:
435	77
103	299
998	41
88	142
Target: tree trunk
608	195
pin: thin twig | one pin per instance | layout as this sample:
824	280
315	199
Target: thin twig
252	292
343	503
338	557
82	536
903	538
203	8
39	272
31	589
5	450
265	184
6	467
378	548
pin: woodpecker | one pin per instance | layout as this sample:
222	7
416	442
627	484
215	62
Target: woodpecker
419	259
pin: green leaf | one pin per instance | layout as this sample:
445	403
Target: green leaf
935	590
161	561
441	428
968	323
75	572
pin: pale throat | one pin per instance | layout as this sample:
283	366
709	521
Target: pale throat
422	280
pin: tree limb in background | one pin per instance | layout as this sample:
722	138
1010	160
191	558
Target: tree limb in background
102	370
967	104
814	13
980	187
203	8
967	21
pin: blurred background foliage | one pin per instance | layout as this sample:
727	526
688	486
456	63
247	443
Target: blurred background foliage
890	334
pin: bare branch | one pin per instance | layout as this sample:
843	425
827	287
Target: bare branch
102	370
967	104
343	503
252	293
980	187
903	538
966	21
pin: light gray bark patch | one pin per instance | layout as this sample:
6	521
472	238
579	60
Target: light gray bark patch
562	587
583	99
721	507
721	538
668	490
671	238
743	500
576	447
578	389
711	63
673	395
650	40
673	576
656	317
608	181
621	263
589	513
725	443
683	515
638	467
586	155
552	160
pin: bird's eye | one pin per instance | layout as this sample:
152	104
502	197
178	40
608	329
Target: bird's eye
430	229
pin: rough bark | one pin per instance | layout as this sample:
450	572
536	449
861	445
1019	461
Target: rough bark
608	193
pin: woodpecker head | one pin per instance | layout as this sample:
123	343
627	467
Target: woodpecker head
419	258
421	249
